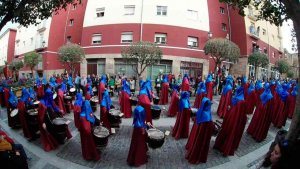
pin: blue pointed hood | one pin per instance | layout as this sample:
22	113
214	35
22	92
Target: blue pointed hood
227	87
284	93
244	80
79	100
266	95
103	79
25	95
52	82
204	113
106	102
209	78
13	100
126	87
48	100
139	117
32	93
295	91
63	87
165	79
258	85
239	95
201	88
184	102
251	88
70	81
87	112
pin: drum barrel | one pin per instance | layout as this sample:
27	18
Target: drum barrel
101	138
155	100
155	111
114	120
155	142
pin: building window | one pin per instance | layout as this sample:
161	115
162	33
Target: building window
74	6
250	9
126	37
100	12
273	54
160	38
71	22
129	9
265	50
69	39
192	41
96	39
264	32
24	43
17	43
162	10
222	10
224	28
191	14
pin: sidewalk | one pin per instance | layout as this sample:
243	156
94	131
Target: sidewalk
170	155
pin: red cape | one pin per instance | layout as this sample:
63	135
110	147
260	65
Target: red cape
144	101
104	118
280	113
101	89
198	142
225	101
60	101
182	124
198	100
232	130
40	91
77	111
291	105
209	89
23	121
251	102
137	154
245	86
185	86
48	141
125	106
174	105
88	146
164	94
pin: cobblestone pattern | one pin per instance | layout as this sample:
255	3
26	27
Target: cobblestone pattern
49	166
256	163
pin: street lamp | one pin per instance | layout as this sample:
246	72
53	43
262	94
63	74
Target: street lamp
209	34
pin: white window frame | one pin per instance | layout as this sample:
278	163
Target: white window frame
222	10
224	27
127	37
71	23
192	42
100	12
96	39
160	38
162	10
192	14
74	6
129	9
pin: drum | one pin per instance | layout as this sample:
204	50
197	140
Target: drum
155	138
32	118
14	113
133	101
95	91
156	100
94	101
193	112
72	91
68	99
59	129
101	135
36	104
54	95
155	111
114	118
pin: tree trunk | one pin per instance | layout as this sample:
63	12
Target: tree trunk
294	130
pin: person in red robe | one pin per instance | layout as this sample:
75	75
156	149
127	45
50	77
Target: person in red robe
198	143
48	141
225	100
104	110
144	101
182	124
124	100
185	86
292	101
245	85
200	94
251	99
261	120
12	104
88	146
209	84
281	113
77	109
233	125
101	87
137	154
164	95
60	99
258	91
174	104
1	96
272	87
6	95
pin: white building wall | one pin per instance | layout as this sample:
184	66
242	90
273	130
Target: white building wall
31	38
3	47
176	13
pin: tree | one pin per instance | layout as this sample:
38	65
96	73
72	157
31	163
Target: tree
290	74
276	12
26	12
222	49
15	66
31	60
258	59
142	54
282	66
70	55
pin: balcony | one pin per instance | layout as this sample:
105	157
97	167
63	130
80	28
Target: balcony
41	26
40	46
252	17
254	33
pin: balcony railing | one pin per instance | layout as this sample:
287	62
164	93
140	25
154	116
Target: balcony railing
254	32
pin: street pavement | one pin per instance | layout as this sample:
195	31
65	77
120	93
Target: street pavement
170	156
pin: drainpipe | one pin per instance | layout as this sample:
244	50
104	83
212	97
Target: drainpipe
268	47
229	21
141	20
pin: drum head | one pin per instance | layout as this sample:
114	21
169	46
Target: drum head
95	99
59	121
101	132
114	112
194	110
32	112
154	107
14	112
72	90
155	134
94	89
36	102
68	97
54	96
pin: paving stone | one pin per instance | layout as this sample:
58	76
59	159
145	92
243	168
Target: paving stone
49	166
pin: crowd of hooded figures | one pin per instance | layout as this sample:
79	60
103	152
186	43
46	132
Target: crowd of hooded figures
270	102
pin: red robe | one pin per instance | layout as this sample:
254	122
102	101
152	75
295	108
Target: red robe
251	102
198	142
77	111
26	130
164	94
280	113
88	146
137	154
2	98
185	86
232	130
48	141
104	118
225	101
291	105
125	106
198	100
261	121
258	93
144	101
6	96
60	101
40	91
101	89
174	105
245	86
209	89
182	124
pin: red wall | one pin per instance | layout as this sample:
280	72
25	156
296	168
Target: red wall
11	45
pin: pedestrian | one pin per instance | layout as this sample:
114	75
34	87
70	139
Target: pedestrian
111	84
251	99
209	84
158	84
200	94
77	109
225	100
132	85
104	110
101	87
